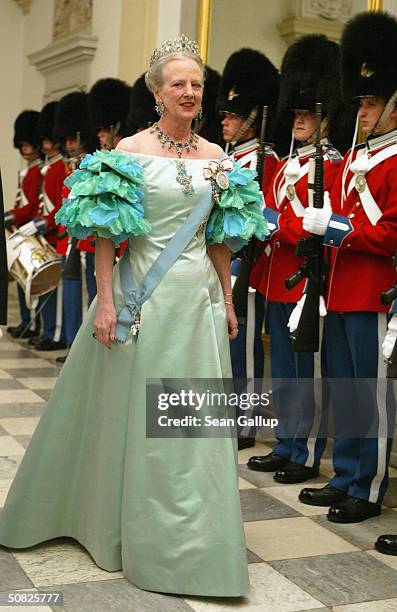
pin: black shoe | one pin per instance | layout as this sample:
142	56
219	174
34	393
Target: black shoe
245	443
18	332
267	463
294	472
61	359
28	334
15	330
35	341
326	496
353	510
387	544
49	345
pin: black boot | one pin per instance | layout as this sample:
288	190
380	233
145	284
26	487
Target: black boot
353	510
387	544
294	472
326	496
267	463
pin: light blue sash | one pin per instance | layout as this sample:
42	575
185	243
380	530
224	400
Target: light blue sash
129	316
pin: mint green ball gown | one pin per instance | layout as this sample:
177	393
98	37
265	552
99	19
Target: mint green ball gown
164	511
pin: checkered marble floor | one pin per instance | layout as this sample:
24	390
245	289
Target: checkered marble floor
297	559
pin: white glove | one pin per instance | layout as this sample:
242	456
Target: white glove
294	319
390	338
28	229
315	220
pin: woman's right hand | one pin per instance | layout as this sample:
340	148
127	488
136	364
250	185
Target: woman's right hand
105	324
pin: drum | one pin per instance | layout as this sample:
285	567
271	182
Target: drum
33	263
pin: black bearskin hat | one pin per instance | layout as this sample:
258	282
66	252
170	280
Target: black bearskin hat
211	125
310	73
71	117
249	79
369	51
108	104
45	126
142	112
25	128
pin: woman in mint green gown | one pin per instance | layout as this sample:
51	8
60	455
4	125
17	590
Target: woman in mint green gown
164	511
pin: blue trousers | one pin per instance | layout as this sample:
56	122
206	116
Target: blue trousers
52	315
298	403
247	355
248	359
28	318
73	298
352	350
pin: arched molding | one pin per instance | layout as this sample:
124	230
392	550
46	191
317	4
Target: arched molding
65	63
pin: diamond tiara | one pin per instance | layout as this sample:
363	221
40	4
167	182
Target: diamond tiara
174	45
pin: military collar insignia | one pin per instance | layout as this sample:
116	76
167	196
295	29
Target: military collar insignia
50	162
383	140
309	150
53	160
33	164
245	147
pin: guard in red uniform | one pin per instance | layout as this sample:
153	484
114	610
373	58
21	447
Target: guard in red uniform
26	205
73	130
249	82
361	230
53	173
309	74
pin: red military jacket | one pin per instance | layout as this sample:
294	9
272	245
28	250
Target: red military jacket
27	200
363	229
54	172
86	244
286	201
63	236
247	154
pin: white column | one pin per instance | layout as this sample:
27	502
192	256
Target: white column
170	17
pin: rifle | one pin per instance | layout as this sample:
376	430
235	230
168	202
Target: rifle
306	337
3	263
240	287
72	267
387	297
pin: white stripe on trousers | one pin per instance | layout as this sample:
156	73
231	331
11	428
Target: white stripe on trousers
250	333
318	403
59	312
381	387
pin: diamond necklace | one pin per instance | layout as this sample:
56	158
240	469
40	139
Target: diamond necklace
166	140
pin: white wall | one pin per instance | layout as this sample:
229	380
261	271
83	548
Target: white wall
106	19
22	84
11	52
252	23
169	20
37	34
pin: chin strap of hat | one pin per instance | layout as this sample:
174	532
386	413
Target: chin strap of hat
348	162
323	130
245	126
113	131
386	112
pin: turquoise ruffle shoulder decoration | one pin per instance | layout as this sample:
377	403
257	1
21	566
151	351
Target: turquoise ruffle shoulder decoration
237	214
105	198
